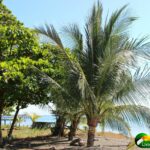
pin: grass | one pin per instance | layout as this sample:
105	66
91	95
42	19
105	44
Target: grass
26	132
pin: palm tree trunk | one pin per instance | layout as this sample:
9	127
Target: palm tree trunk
14	121
62	127
92	123
59	127
73	129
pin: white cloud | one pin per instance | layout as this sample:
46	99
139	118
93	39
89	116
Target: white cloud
35	109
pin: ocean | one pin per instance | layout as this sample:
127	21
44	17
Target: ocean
27	121
135	129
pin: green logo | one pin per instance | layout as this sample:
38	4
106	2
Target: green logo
142	140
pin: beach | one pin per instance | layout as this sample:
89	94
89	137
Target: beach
108	141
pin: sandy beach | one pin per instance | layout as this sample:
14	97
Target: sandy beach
109	141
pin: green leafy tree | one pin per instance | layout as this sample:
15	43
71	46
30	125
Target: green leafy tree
24	66
8	111
17	46
102	69
32	90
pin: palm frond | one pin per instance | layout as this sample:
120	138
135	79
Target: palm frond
74	65
134	114
76	37
110	25
116	123
50	31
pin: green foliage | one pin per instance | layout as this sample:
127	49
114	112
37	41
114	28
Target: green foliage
8	111
19	52
6	17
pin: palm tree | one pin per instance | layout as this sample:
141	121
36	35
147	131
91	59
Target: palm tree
66	111
101	63
33	117
20	120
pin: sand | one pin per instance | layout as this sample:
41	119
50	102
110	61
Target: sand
47	142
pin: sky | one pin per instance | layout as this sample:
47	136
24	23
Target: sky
34	13
61	12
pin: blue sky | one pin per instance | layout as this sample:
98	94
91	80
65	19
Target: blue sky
61	12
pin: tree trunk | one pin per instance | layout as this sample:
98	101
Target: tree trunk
59	127
14	121
73	128
92	123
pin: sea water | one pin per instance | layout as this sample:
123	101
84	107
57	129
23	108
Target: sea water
28	122
135	129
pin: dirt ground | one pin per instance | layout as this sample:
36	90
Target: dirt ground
48	143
